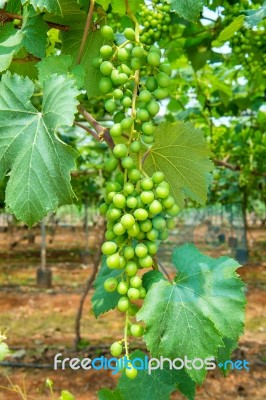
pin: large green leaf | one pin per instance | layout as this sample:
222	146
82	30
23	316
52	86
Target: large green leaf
52	6
103	301
157	385
37	162
188	9
191	315
107	394
231	29
181	153
10	44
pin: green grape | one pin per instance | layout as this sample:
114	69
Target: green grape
119	229
127	163
129	252
153	107
110	235
152	247
118	94
110	106
163	80
116	349
110	284
122	288
131	268
115	77
113	261
103	209
136	330
134	175
132	202
147	196
143	115
109	197
106	68
131	373
124	68
159	223
137	52
146	184
119	200
168	202
133	293
126	102
114	214
123	304
96	62
135	282
106	51
157	177
147	128
120	151
129	34
113	187
109	248
140	236
153	59
162	191
141	214
107	32
161	93
163	235
136	64
155	207
105	85
142	292
111	164
145	96
129	188
135	146
134	231
170	223
152	234
122	55
166	69
146	226
127	221
126	123
173	211
147	139
141	250
122	78
154	49
146	262
151	84
116	130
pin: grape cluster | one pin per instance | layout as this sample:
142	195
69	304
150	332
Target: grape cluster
155	20
138	208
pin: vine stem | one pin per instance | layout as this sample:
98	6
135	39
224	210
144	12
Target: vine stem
86	31
125	335
90	131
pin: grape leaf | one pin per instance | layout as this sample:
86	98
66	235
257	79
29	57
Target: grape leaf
71	40
103	301
38	163
188	9
191	315
224	354
181	153
107	394
34	30
254	17
231	29
104	3
52	6
158	385
10	44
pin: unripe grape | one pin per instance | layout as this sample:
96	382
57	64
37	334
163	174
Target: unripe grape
122	55
157	177
122	78
113	187
153	59
110	284
103	209
136	330
161	93
113	261
163	80
141	214
135	146
119	229
147	196
162	191
126	123
111	164
133	293
146	262
107	32
142	292
159	223
115	77
137	52
128	221
145	96
141	250
110	106
147	184
106	51
152	234
110	235
118	94
129	252
116	349
105	85
132	372
106	68
127	163
119	200
96	62
114	214
153	108
143	115
151	83
129	188
131	268
116	131
134	230
120	151
147	128
154	49
146	226
163	235
123	304
170	223
166	69
135	282
134	175
122	288
126	102
132	202
155	207
152	247
124	68
147	139
129	34
168	202
109	248
136	64
173	211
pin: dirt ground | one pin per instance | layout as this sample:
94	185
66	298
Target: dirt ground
40	322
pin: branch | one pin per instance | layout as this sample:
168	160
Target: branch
223	163
90	131
8	17
86	31
26	59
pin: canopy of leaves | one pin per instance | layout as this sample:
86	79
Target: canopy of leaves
37	162
190	317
